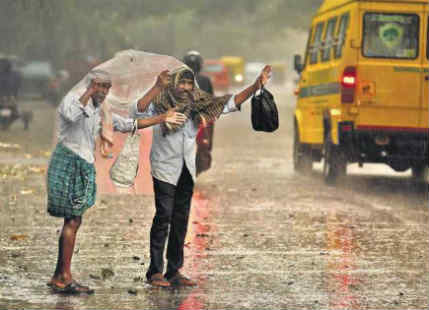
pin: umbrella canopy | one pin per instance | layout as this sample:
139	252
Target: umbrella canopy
132	72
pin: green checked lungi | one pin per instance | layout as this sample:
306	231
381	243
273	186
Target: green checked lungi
71	184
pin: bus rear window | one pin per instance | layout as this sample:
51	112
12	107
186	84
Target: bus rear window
341	35
391	35
329	39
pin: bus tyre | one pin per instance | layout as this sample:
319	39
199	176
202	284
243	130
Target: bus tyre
419	172
302	160
334	163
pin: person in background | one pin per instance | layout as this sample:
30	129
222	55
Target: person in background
10	82
194	60
173	165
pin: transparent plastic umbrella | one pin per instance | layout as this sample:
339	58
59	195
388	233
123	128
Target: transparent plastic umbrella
132	73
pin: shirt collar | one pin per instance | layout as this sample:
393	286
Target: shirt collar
95	109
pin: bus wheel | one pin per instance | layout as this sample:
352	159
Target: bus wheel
419	172
302	160
334	163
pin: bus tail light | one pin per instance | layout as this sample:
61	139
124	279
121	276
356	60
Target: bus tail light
348	85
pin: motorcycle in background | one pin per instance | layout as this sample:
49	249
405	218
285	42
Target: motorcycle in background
9	112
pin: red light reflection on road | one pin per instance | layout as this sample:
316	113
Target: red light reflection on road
197	243
341	280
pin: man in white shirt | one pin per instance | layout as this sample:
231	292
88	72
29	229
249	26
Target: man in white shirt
71	174
173	162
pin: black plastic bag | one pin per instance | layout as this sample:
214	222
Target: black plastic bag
265	116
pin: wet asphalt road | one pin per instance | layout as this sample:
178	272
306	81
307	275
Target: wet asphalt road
260	236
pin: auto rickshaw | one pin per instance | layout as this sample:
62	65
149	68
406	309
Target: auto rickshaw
235	65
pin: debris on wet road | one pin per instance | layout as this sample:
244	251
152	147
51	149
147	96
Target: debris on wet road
260	236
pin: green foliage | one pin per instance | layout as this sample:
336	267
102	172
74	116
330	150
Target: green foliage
59	30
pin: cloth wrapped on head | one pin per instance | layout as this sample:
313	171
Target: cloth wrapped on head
99	76
195	104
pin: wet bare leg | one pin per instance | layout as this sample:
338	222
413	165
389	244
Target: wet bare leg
62	275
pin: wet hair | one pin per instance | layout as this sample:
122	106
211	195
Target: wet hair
187	74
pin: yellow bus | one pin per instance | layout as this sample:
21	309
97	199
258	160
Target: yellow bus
363	90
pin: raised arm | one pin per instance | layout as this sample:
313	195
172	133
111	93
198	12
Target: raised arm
74	108
170	117
161	82
84	99
247	92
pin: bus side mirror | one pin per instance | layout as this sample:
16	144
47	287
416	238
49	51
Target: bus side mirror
297	63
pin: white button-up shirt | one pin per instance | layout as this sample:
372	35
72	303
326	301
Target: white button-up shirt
170	152
79	126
